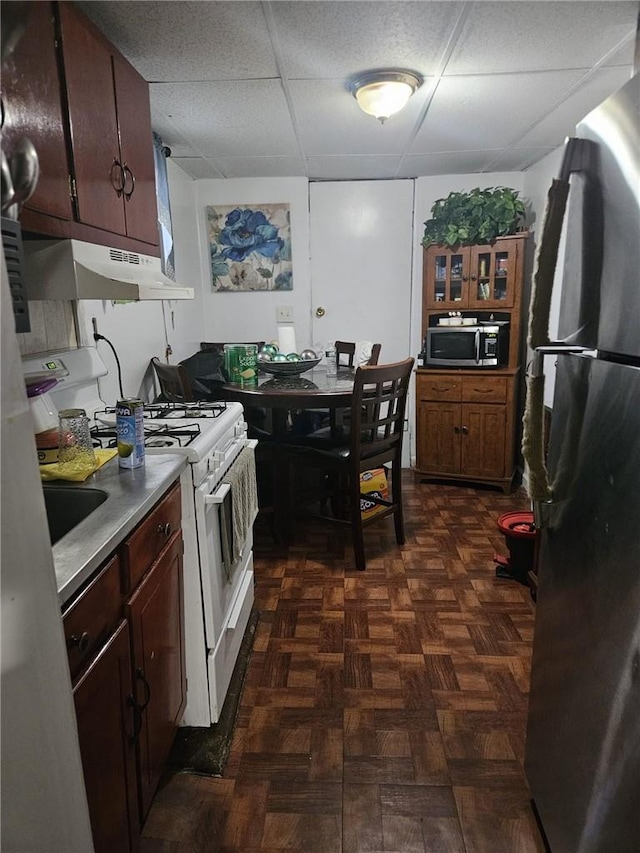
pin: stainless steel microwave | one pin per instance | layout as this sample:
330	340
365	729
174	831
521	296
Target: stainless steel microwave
486	345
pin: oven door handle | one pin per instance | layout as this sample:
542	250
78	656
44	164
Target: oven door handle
219	495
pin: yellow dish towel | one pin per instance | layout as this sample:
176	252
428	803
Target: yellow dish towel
55	471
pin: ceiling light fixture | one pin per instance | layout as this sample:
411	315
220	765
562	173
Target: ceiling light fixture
383	93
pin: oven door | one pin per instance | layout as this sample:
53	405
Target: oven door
222	580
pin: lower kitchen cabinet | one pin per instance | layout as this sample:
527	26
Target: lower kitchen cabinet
466	426
125	645
155	613
107	724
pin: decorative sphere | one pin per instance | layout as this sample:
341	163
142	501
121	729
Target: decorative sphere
270	349
307	355
263	355
275	344
293	356
279	356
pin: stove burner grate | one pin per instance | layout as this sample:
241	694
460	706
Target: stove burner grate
160	435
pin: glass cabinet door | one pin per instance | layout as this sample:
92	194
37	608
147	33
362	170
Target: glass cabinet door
446	278
492	276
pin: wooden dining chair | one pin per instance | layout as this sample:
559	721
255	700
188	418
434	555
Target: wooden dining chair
174	382
316	419
375	440
346	352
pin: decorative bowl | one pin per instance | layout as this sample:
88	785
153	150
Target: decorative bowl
287	368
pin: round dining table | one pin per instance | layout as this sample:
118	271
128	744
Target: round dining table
313	390
279	396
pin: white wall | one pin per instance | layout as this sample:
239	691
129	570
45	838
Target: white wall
252	315
141	330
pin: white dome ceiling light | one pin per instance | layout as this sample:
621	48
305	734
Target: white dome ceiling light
384	93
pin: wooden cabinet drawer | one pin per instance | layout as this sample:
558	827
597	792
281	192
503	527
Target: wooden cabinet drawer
439	388
150	536
484	389
93	615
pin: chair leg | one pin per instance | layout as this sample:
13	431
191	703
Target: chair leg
396	488
356	523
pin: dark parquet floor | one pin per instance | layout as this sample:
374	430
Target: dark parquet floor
383	711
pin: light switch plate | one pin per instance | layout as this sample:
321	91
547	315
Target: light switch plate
284	313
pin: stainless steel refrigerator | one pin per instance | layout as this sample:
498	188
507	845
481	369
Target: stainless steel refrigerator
583	734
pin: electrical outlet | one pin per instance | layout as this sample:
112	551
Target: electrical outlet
284	313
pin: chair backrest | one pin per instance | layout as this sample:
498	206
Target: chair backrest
174	381
346	352
377	412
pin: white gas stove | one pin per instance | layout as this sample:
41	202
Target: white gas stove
202	431
218	585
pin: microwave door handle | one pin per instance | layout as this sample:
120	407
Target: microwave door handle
477	346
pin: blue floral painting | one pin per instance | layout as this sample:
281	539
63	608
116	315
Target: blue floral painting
250	247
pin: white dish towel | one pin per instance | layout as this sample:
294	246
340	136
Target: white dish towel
244	505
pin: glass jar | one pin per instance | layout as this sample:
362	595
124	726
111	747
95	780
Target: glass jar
75	448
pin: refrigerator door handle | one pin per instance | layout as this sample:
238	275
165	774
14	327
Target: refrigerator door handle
554	348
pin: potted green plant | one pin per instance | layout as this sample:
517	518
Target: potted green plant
478	216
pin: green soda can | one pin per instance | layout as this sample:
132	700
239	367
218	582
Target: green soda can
241	363
130	432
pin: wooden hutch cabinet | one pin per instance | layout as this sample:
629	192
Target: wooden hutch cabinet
467	418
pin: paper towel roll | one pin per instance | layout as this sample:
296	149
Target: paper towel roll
287	339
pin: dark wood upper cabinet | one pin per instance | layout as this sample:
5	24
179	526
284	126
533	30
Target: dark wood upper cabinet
86	109
136	151
110	129
33	107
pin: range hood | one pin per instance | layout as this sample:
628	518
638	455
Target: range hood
73	269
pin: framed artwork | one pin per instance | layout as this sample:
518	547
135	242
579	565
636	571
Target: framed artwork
249	247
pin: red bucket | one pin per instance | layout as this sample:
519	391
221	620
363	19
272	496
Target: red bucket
520	534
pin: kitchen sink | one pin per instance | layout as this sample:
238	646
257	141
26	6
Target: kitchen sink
67	506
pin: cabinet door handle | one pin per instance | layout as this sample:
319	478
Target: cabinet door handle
465	430
117	171
482	390
473	278
441	388
127	173
456	430
81	643
137	718
165	529
465	278
147	688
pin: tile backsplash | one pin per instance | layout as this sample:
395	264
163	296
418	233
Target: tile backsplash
53	327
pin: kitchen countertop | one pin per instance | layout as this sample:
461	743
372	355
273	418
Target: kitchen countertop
132	494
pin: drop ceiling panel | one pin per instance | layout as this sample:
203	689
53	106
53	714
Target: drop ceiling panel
561	121
197	168
488	111
449	163
516	159
260	167
338	39
175	41
353	168
550	35
253	88
234	117
331	122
